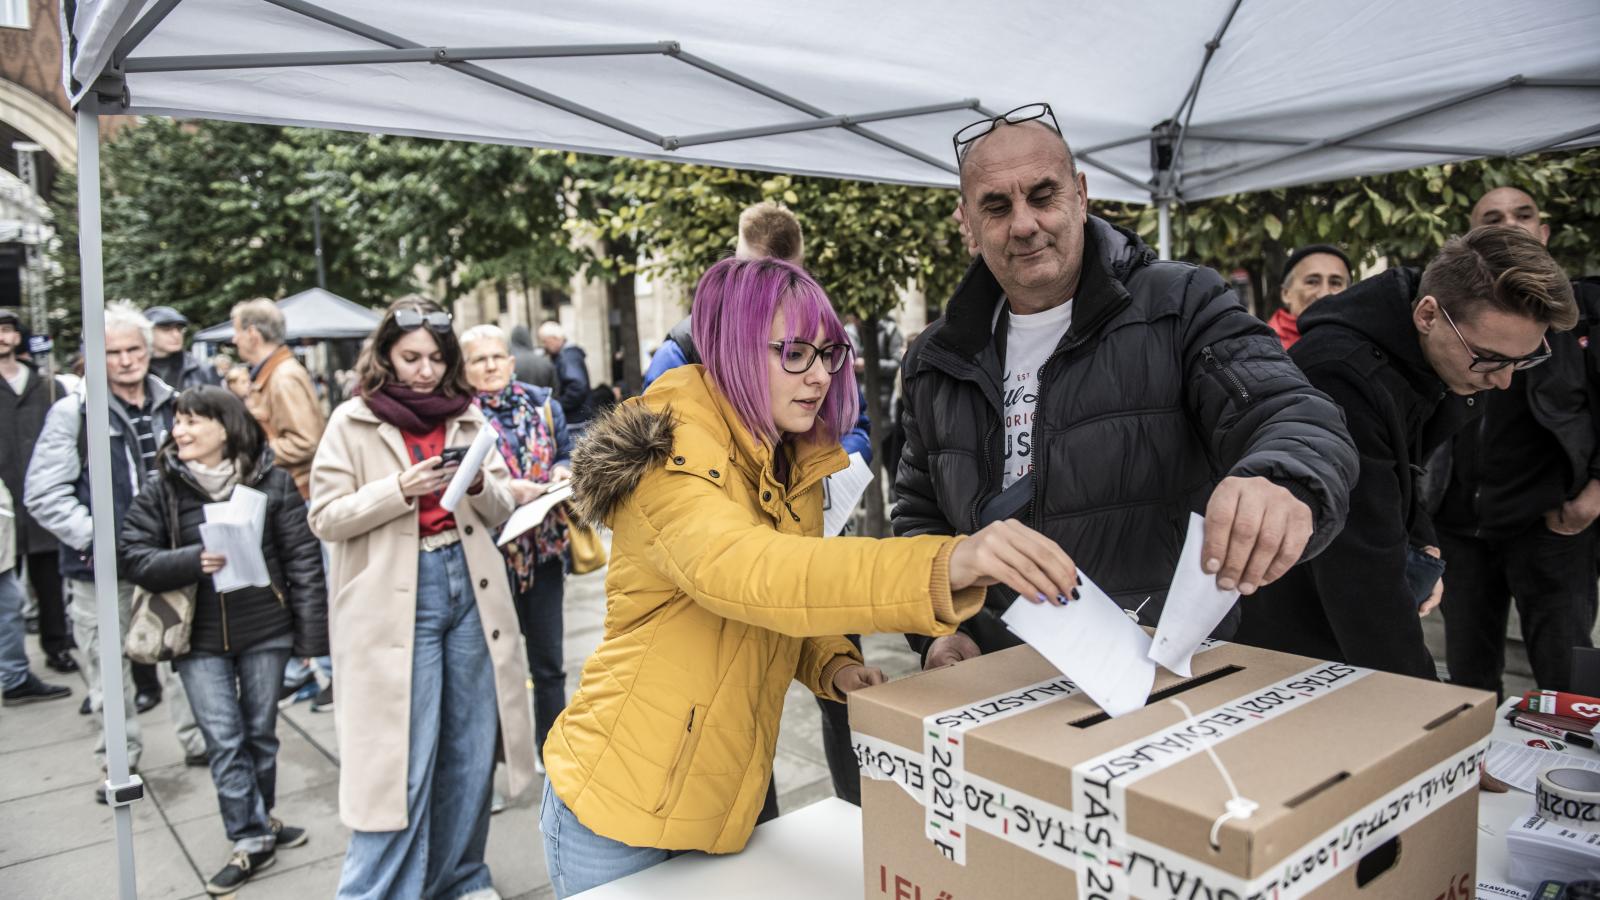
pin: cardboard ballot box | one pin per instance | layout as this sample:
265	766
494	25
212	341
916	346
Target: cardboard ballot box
996	778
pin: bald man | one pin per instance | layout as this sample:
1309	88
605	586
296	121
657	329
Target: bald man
1521	491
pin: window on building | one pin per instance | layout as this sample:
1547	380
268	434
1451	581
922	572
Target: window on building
13	13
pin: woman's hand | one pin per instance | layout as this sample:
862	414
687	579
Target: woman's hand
1012	554
855	677
559	474
212	563
524	491
426	477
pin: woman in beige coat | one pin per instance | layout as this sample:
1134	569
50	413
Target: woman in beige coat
424	633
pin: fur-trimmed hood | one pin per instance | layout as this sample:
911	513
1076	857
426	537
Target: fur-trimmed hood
615	452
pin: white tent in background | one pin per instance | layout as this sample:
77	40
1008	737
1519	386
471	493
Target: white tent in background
1163	101
313	314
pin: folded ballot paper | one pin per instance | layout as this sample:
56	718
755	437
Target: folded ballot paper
1097	645
529	515
235	529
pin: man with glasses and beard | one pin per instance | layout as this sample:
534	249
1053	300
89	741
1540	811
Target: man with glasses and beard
1522	487
1101	396
1406	354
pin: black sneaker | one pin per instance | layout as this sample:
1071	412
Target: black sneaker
30	624
32	690
61	661
324	701
144	701
286	835
241	865
87	706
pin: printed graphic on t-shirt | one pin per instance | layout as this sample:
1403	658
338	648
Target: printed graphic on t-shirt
1019	386
1030	340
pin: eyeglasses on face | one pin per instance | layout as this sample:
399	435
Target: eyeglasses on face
1486	363
963	139
411	320
798	356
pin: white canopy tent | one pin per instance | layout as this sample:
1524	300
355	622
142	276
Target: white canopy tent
1162	101
313	314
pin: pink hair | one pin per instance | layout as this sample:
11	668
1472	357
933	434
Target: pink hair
734	306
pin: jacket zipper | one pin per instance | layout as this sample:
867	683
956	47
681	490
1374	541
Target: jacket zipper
222	600
279	594
1216	365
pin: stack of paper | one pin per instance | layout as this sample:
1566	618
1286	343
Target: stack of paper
235	529
843	490
1094	642
529	515
1540	850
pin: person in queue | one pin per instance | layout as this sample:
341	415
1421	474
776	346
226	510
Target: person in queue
720	589
422	623
1406	354
239	640
1311	273
538	451
1103	396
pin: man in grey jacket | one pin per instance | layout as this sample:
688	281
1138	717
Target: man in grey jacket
57	496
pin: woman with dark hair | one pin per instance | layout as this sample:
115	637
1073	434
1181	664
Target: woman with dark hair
721	589
240	639
424	630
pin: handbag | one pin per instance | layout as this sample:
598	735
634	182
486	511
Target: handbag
162	621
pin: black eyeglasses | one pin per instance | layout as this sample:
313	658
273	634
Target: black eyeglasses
797	356
1484	364
963	139
411	320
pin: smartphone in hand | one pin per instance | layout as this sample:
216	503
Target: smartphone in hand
451	455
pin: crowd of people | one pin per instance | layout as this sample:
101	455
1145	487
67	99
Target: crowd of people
1422	438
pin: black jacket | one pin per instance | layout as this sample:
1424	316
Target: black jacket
532	366
297	601
23	419
1163	385
1352	603
573	394
182	371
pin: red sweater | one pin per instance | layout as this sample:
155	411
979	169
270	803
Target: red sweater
431	517
1287	327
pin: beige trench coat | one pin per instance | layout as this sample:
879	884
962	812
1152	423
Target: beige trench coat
372	537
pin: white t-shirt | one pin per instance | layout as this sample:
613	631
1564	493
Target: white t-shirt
1029	342
19	382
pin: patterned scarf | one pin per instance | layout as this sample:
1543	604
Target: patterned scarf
529	448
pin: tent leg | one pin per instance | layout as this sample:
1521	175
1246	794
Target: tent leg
105	528
1164	218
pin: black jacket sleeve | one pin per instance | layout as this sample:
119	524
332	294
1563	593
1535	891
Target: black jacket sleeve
1258	413
916	508
145	555
300	555
1360	578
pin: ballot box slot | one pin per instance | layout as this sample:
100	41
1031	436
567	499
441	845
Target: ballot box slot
1164	693
1315	789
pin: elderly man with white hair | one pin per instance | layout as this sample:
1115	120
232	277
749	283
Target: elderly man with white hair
537	449
57	496
572	373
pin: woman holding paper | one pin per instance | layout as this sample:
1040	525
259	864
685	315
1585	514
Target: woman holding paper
424	631
536	448
720	589
240	638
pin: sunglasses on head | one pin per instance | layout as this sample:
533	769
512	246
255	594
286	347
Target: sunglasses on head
411	320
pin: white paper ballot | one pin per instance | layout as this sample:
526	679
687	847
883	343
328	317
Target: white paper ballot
529	515
1195	605
844	492
1093	642
481	445
1519	765
235	529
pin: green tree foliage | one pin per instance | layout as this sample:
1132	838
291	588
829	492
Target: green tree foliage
1400	217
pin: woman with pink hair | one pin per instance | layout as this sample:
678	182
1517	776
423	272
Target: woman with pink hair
721	590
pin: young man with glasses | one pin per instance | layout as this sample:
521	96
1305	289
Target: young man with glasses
1521	490
1408	356
1101	396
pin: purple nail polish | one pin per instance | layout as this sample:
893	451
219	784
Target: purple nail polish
1041	598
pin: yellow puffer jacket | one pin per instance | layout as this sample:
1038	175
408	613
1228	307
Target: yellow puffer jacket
720	592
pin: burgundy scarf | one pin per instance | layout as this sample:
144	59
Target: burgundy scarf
413	412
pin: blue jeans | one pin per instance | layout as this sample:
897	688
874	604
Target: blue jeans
235	702
13	653
450	763
539	615
577	859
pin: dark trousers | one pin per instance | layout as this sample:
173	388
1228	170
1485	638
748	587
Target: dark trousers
235	702
146	680
44	575
1550	577
836	746
539	616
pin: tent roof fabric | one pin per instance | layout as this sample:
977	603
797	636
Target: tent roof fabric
314	314
1296	91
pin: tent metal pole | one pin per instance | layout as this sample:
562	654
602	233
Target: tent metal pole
673	142
1112	170
121	788
439	55
1202	134
1558	140
141	30
1339	139
1164	228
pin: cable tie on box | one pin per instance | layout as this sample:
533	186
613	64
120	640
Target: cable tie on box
1238	807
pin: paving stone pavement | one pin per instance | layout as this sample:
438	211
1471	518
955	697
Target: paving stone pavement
56	842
